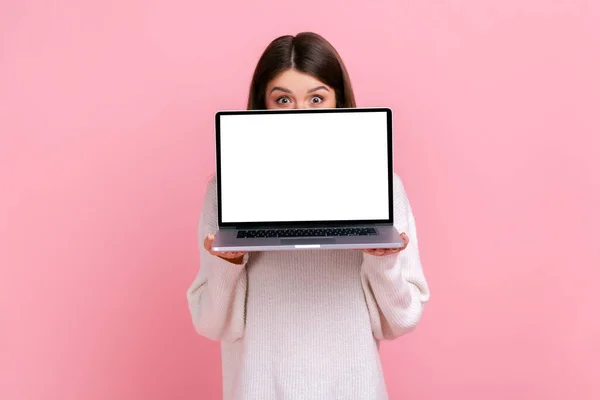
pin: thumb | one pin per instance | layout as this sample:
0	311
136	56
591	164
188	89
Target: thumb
208	240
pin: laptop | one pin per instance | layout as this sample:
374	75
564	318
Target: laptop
305	179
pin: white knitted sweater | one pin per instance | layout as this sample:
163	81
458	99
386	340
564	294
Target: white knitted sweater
306	324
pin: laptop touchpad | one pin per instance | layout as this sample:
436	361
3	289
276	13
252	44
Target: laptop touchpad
298	241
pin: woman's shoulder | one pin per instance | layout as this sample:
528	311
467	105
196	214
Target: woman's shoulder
210	182
398	185
211	179
210	193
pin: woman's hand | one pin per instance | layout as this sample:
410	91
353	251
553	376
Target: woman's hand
234	257
386	252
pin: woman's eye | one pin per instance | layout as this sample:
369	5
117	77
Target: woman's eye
316	99
283	100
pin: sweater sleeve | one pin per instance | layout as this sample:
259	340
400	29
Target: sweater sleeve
395	287
217	296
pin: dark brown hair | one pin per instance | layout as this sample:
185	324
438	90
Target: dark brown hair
308	53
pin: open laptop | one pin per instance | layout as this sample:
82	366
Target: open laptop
305	179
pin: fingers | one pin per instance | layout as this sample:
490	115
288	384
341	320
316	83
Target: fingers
385	252
378	252
405	238
229	255
208	241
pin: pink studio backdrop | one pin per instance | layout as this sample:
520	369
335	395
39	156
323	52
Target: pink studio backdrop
106	143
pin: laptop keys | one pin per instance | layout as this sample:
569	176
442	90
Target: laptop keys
305	232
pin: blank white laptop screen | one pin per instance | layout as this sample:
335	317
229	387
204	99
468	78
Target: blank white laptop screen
304	167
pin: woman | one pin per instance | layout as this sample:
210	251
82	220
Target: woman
306	324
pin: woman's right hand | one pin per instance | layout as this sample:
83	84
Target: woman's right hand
234	257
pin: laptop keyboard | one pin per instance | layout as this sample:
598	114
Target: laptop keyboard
305	232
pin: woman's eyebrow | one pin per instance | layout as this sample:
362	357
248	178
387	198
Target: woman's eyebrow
281	89
318	88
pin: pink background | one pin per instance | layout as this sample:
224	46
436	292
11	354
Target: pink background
106	143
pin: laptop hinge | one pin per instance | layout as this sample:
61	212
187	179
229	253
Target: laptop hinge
300	226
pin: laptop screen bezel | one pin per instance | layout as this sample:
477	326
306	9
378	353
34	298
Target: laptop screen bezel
306	224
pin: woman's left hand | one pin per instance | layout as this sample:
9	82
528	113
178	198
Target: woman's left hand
386	252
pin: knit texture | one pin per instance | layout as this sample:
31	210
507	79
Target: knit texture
307	324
